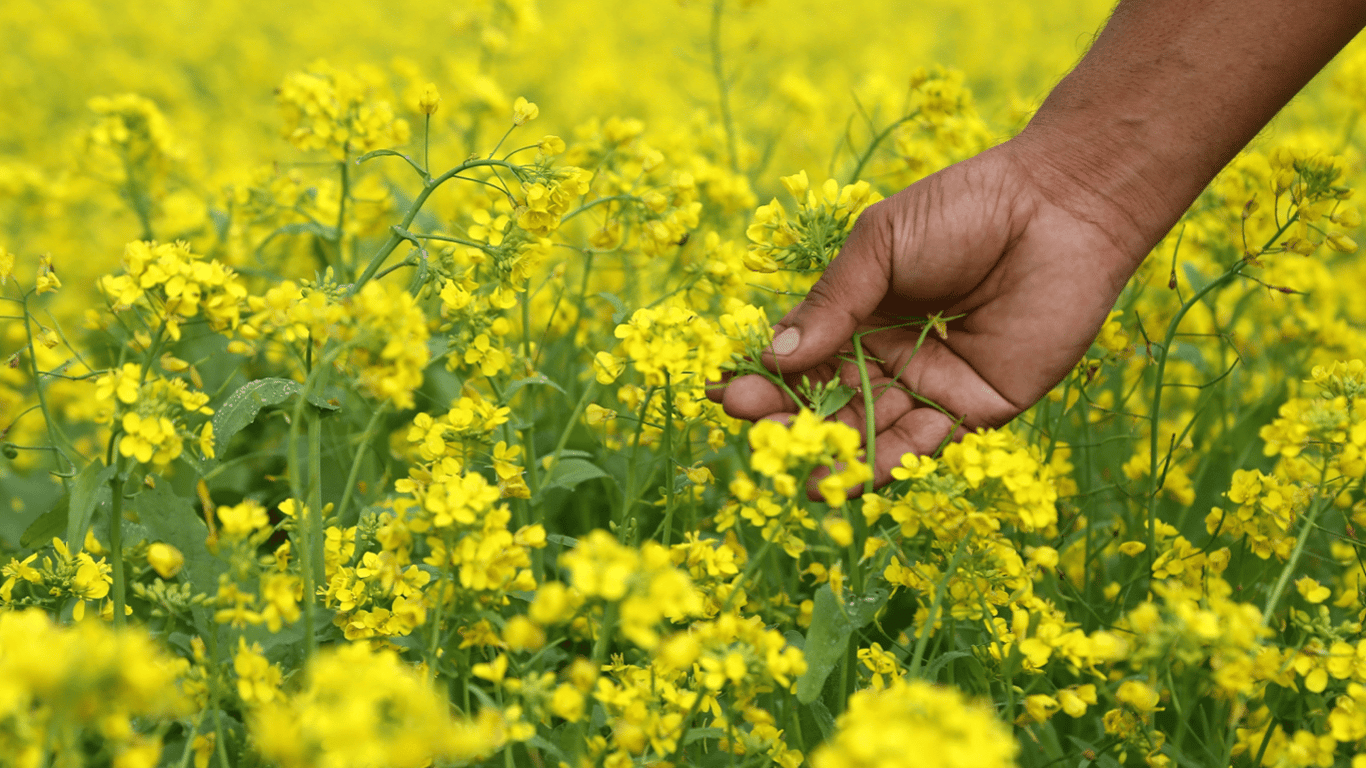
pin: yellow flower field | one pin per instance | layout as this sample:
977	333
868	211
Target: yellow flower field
354	410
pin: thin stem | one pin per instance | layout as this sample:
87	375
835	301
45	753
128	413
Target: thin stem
628	494
426	146
428	188
599	201
352	476
723	92
668	461
52	429
343	269
1294	560
579	407
1163	351
872	146
529	434
939	591
120	585
314	524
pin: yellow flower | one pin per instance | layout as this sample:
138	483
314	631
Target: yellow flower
1311	590
1132	548
607	367
6	266
1140	696
243	519
165	559
206	441
46	281
916	724
430	99
524	111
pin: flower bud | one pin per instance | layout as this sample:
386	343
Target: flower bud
430	99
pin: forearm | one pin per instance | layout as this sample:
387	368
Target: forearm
1170	91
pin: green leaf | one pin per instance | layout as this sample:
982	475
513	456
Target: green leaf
568	473
943	659
619	309
48	526
832	623
863	608
837	399
826	642
90	489
568	542
242	406
1196	279
824	720
537	378
704	732
172	519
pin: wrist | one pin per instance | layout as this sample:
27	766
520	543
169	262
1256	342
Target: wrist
1101	168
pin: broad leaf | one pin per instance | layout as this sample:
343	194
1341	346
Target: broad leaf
568	473
90	489
242	406
172	519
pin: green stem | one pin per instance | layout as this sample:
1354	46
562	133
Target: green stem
313	526
529	434
939	591
1294	560
343	269
52	429
870	422
309	565
878	139
354	474
189	742
629	493
609	621
1162	354
120	585
426	146
435	643
598	201
1156	415
428	188
579	408
723	92
668	461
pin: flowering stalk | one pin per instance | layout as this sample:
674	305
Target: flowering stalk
1321	502
1154	481
939	591
354	474
395	236
119	586
343	268
722	88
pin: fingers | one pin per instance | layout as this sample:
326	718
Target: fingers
754	397
940	375
847	294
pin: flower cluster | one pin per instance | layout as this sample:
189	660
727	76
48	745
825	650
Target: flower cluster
916	724
171	285
150	413
811	239
334	110
361	708
66	685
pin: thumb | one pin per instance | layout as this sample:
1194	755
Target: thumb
844	297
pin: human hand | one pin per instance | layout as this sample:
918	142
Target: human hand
1031	262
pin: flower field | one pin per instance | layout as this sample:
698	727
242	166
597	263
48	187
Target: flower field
355	409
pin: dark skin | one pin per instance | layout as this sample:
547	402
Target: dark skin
1032	240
